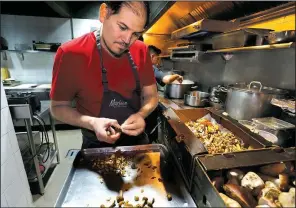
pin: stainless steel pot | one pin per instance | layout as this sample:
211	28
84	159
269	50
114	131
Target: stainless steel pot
177	90
251	101
196	98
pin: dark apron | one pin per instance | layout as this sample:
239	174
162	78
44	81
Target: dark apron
115	106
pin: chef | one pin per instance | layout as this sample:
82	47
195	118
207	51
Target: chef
109	75
162	79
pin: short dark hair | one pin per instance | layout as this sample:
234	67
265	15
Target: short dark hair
154	49
116	5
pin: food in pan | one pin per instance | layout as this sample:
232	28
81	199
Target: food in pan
111	164
215	140
229	202
121	202
266	186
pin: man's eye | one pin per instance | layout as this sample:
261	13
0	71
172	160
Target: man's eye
122	28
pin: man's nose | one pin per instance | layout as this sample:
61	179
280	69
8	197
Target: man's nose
127	38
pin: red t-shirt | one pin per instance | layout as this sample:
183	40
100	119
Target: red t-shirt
77	73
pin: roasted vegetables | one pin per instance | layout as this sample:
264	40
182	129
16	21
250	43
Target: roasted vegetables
213	138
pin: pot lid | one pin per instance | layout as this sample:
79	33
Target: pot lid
257	87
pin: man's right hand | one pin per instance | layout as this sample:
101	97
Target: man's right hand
100	126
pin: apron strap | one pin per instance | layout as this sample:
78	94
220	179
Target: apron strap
136	74
104	71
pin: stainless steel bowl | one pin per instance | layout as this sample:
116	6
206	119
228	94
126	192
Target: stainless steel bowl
196	98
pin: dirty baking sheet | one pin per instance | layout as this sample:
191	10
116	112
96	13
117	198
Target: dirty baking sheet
85	187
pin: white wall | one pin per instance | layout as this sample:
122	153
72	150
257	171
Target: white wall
37	67
15	190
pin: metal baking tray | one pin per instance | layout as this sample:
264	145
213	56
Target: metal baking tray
84	188
208	167
274	123
186	149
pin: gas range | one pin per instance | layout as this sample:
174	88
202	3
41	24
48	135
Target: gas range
14	98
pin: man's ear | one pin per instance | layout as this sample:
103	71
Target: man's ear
103	12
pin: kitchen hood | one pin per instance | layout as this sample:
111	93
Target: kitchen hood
203	28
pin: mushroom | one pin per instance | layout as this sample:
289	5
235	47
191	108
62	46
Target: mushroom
276	169
235	176
270	193
240	194
287	199
268	201
270	184
253	182
218	182
229	202
282	182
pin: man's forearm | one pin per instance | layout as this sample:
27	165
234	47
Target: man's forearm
71	116
148	106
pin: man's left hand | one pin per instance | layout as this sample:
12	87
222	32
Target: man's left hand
134	125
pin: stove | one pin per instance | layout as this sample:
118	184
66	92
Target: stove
14	98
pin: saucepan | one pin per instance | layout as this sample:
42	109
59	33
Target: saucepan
196	98
177	90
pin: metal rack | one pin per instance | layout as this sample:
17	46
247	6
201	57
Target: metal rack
24	112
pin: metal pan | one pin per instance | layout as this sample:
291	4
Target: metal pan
282	36
86	187
196	98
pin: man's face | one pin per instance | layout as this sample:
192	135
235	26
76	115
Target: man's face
154	59
121	30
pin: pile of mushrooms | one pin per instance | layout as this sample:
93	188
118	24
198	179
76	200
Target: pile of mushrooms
272	186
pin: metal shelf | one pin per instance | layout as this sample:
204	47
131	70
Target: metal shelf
23	51
33	176
27	51
262	47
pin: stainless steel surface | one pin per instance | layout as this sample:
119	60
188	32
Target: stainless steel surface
204	26
282	36
274	123
177	90
196	98
36	162
83	187
240	38
52	124
245	103
21	111
191	55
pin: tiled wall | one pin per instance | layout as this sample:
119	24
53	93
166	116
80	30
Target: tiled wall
15	191
37	67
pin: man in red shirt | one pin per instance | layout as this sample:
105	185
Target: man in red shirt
109	74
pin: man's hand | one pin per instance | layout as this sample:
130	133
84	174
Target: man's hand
101	126
134	125
168	79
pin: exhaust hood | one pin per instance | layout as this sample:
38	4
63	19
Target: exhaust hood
204	27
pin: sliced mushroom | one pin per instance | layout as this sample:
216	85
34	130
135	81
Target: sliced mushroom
269	202
229	202
253	182
282	182
270	193
240	194
287	199
270	184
